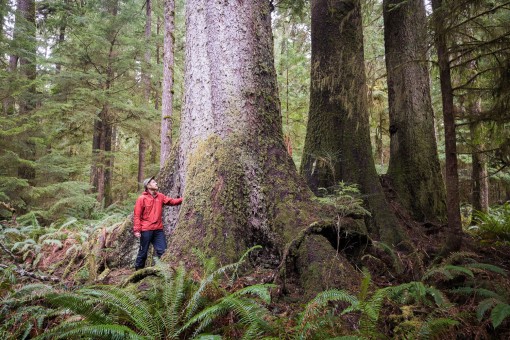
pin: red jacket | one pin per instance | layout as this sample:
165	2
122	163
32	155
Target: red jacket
149	209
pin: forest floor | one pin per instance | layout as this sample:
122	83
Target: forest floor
415	259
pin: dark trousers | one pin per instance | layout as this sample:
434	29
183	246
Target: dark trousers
158	240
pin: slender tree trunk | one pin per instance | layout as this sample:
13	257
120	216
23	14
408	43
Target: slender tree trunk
142	150
453	240
26	44
27	62
146	80
479	173
155	147
379	138
103	134
102	156
7	104
62	32
168	81
414	163
337	145
22	45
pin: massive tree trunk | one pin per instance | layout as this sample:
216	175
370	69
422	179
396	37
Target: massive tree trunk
168	80
453	241
239	184
414	163
337	146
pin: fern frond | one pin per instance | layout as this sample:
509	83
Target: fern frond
449	272
484	306
78	330
434	327
23	245
208	337
135	310
365	284
79	304
195	301
486	267
500	312
205	317
439	298
397	263
307	319
260	290
481	292
174	293
53	242
417	291
208	264
250	312
460	256
27	294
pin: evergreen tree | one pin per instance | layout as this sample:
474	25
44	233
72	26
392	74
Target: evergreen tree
414	163
454	232
337	146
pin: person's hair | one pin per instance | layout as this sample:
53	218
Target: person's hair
146	182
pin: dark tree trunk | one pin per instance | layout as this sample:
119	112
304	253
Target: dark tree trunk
24	51
337	146
168	80
479	173
414	163
24	40
453	240
102	159
27	62
103	133
61	39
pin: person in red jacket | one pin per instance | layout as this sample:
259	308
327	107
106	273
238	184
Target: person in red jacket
148	224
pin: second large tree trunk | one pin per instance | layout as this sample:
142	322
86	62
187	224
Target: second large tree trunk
414	163
337	146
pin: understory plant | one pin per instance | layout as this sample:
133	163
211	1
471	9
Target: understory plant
174	306
366	307
493	225
463	277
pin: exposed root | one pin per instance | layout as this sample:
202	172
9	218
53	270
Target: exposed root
324	228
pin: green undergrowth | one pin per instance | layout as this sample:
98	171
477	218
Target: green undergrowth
214	302
174	304
63	246
493	226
